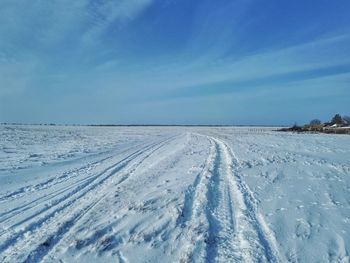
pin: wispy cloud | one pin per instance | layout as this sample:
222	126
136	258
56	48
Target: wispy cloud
129	56
44	38
252	84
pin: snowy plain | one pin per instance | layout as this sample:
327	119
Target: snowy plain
173	194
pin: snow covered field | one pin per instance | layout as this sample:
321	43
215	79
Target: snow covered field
173	194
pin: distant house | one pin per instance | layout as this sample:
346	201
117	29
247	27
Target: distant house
336	128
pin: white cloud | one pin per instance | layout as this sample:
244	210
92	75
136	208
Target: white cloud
34	36
48	23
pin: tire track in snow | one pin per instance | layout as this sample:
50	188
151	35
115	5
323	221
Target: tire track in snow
148	227
220	221
39	253
42	200
34	228
191	224
86	181
80	186
207	220
25	190
44	185
251	240
223	242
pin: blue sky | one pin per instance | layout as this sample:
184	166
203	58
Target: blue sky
174	61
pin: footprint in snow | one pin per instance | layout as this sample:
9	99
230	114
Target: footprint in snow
303	230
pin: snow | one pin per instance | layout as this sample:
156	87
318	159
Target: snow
173	194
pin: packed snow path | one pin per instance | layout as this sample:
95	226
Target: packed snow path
219	220
175	195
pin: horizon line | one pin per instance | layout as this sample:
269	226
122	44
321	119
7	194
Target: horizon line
143	125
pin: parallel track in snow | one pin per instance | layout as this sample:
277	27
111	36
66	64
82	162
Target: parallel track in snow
77	179
59	215
191	224
220	221
67	175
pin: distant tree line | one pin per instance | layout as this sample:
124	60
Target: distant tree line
338	124
337	119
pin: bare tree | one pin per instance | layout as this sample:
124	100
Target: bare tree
315	122
337	119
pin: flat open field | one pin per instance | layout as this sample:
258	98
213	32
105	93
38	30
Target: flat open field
173	194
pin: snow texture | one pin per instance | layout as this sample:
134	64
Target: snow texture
173	194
